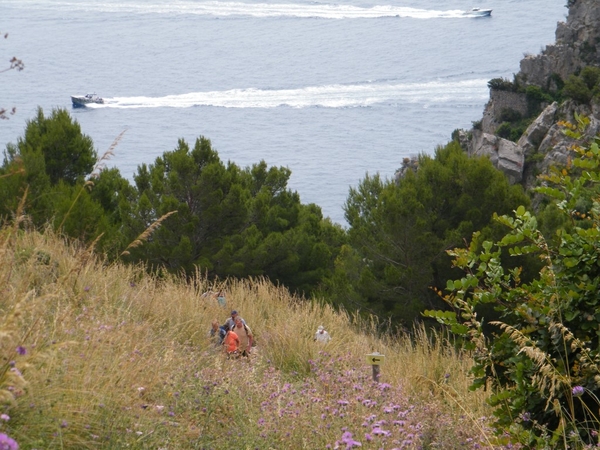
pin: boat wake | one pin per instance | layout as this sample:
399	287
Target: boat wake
332	96
236	9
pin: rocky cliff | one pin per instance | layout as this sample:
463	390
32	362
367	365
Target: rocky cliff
543	144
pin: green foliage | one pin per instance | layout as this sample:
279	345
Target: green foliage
535	97
455	134
502	84
230	221
514	123
50	162
509	131
399	230
577	89
84	222
68	154
590	76
52	151
584	86
557	80
510	115
543	360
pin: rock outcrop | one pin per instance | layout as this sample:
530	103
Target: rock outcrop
543	144
504	154
500	101
575	47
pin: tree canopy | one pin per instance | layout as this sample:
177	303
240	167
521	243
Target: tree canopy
230	221
400	229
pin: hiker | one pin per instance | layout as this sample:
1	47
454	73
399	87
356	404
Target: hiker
245	336
322	335
221	298
231	344
230	322
217	332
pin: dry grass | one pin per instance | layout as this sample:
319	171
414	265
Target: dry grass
116	358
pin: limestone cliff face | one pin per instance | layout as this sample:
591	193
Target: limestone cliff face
576	46
543	144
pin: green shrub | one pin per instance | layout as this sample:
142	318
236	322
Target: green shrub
543	360
511	131
557	80
510	115
577	89
455	134
535	96
504	130
502	84
591	76
534	158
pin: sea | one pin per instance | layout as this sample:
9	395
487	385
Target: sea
333	90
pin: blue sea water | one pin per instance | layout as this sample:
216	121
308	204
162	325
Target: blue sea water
332	90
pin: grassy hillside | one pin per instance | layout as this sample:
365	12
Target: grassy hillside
98	355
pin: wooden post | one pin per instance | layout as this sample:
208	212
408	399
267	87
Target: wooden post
376	359
376	372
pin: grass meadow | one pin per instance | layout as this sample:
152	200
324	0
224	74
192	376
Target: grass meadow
98	355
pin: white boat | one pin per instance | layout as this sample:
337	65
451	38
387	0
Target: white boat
82	100
478	12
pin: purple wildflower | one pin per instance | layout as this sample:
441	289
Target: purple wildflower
21	350
7	443
64	424
350	443
4	417
379	431
578	391
86	289
526	417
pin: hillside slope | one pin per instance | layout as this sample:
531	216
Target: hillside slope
98	355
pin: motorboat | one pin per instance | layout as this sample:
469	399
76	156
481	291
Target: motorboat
82	100
478	12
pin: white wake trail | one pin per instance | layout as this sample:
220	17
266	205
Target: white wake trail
331	96
229	9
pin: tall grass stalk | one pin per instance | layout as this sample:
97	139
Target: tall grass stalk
111	357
